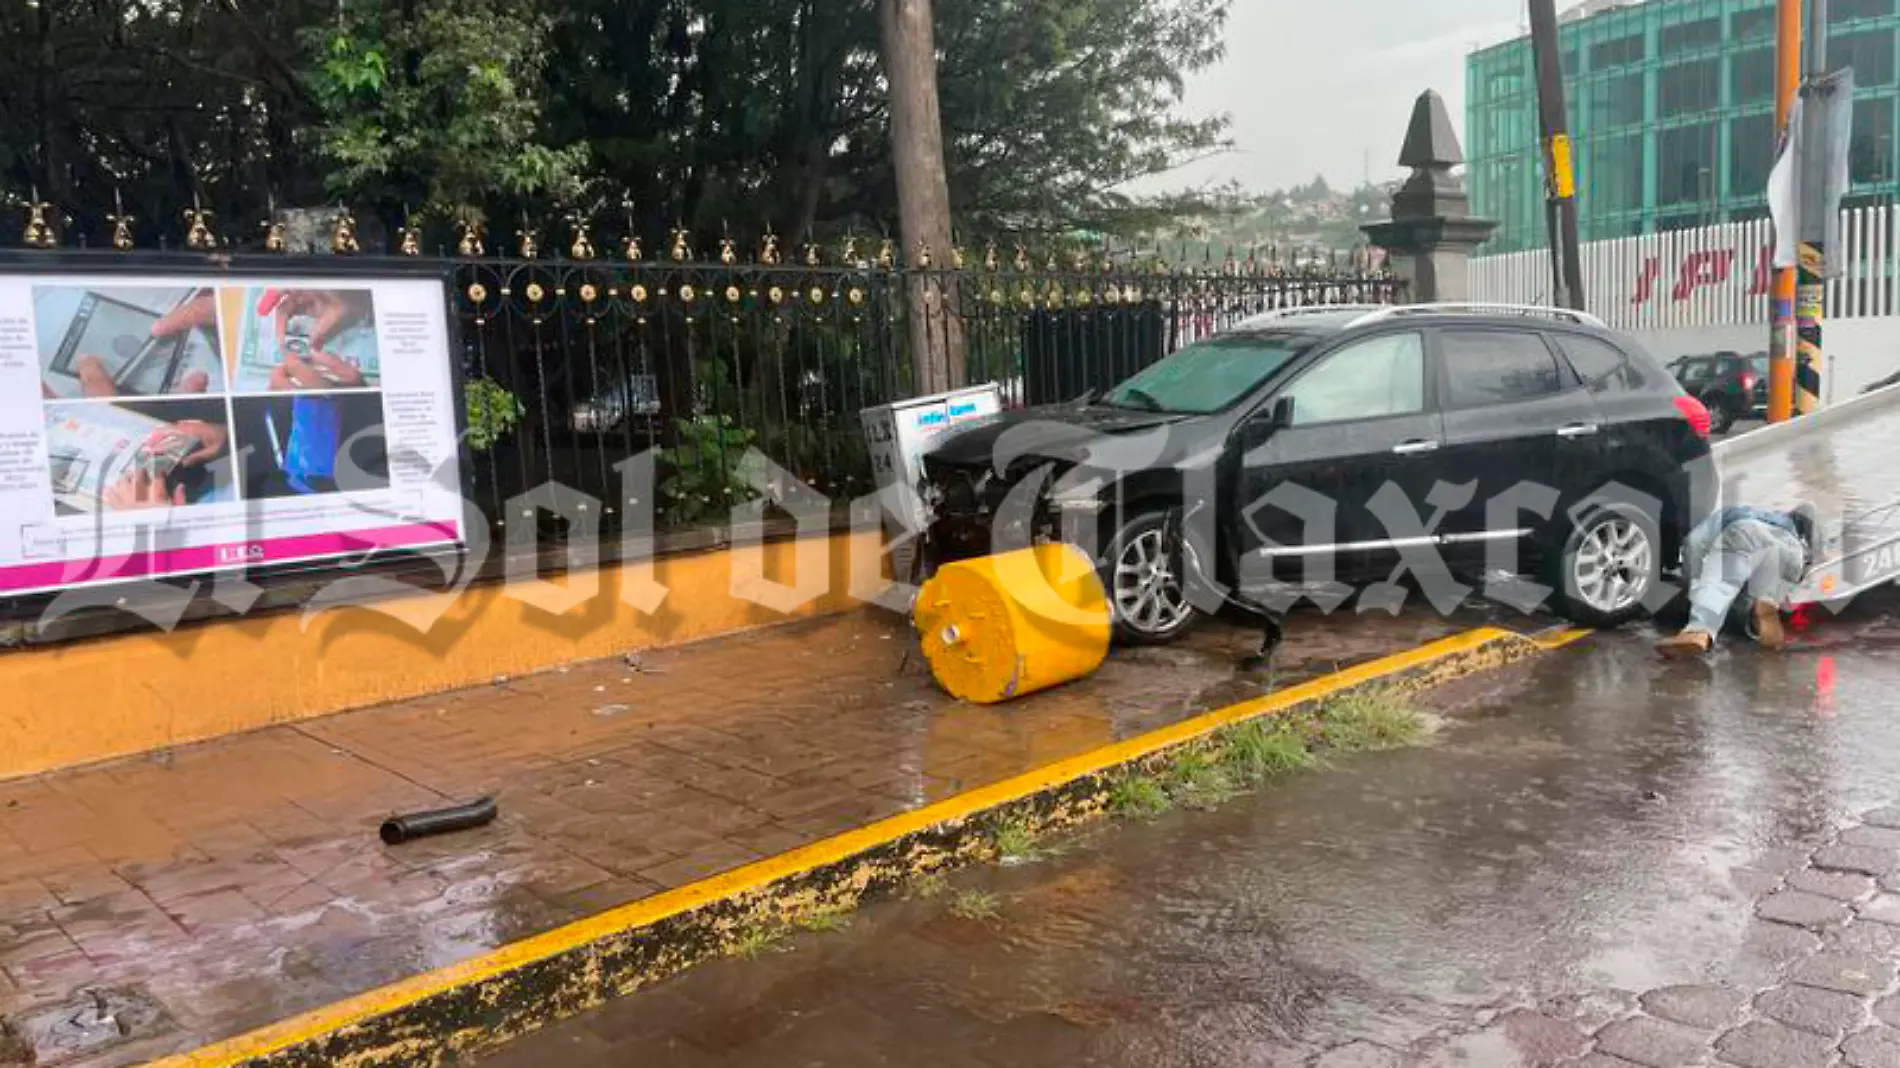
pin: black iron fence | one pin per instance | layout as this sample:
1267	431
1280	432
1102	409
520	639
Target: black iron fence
574	365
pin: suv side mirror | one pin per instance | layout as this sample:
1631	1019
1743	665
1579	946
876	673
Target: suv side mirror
1265	424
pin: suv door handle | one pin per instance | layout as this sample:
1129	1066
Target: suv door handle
1577	430
1413	448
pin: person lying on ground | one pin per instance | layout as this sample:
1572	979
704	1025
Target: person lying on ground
1742	549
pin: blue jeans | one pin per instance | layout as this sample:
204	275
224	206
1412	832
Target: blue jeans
1723	559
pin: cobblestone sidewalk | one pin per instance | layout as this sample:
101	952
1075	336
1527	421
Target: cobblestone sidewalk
1827	929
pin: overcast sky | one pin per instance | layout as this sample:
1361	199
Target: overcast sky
1314	86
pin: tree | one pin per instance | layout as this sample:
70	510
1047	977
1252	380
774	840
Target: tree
745	113
907	42
438	106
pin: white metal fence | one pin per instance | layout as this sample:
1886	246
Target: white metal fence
1711	276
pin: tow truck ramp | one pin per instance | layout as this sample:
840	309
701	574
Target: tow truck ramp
1843	460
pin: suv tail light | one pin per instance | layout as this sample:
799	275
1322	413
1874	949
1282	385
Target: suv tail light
1696	413
1748	380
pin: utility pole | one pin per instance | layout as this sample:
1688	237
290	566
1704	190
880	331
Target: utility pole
1560	175
1819	206
907	40
1782	337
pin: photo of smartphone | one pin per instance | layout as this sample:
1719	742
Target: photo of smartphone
120	335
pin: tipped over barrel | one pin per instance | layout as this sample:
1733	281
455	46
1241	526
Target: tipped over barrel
1001	626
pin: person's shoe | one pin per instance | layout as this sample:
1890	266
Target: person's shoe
1690	642
1768	632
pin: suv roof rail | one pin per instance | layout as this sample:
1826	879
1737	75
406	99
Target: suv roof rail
1277	314
1395	311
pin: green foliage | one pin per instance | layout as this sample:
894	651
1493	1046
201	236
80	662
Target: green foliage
1265	749
976	905
754	942
1140	796
1370	719
1198	778
1053	104
705	111
929	885
704	471
1016	842
442	109
825	921
493	411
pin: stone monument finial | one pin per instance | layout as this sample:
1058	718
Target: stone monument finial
1430	142
1431	233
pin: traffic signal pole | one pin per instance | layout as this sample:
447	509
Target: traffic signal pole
1810	297
1560	175
1783	342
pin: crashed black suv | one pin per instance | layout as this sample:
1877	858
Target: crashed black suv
1280	451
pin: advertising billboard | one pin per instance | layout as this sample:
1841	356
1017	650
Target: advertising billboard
168	423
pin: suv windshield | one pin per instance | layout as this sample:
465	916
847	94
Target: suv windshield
1208	376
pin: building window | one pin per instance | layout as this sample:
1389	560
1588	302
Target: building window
1869	52
1505	83
1613	169
1750	25
1752	77
1691	35
1870	154
1751	154
1688	88
1854	10
1617	101
1617	53
1685	165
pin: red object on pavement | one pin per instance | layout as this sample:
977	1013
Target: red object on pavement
1799	619
1695	412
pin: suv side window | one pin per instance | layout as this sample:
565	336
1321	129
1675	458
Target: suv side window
1485	367
1377	377
1602	366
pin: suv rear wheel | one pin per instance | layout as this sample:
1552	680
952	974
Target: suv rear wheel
1722	414
1609	564
1145	577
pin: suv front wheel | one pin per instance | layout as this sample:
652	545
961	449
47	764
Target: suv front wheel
1145	578
1610	563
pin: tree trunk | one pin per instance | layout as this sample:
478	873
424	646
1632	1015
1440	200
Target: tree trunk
923	189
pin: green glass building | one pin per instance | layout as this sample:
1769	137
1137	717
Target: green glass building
1672	115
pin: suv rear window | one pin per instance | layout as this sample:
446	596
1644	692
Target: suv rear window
1497	367
1602	366
1696	369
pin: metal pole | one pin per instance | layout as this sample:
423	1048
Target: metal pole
1781	339
1560	177
1810	298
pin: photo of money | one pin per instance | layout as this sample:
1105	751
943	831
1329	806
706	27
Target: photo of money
132	455
299	339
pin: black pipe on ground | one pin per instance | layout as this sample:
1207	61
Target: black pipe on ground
399	829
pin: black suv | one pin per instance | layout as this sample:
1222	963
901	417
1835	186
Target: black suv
1182	474
1731	386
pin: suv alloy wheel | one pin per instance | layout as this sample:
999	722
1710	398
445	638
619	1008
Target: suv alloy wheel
1145	579
1610	563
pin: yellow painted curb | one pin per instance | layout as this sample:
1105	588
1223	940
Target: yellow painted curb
1462	653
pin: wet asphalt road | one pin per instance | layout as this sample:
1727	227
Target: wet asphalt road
1598	854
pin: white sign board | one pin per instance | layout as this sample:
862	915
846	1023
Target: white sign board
164	424
900	434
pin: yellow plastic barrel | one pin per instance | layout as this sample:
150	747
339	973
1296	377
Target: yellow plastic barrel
1001	626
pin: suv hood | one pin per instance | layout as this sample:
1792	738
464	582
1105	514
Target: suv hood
1071	434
